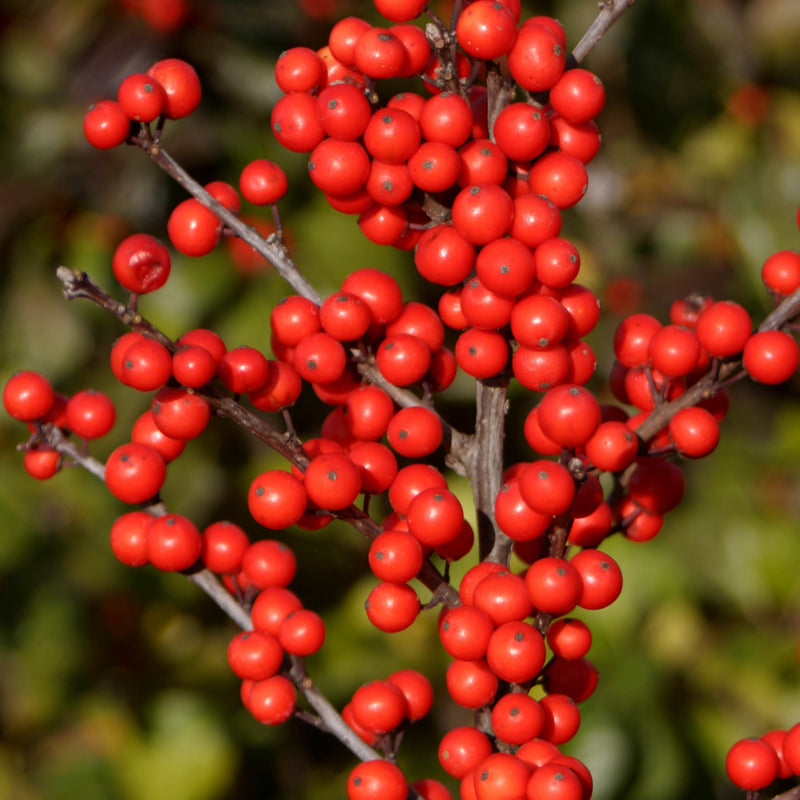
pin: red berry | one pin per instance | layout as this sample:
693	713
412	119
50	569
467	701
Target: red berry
299	69
223	547
140	97
392	607
128	537
486	29
578	96
173	543
105	125
181	86
723	328
28	396
90	414
751	764
134	473
771	357
376	780
277	499
193	229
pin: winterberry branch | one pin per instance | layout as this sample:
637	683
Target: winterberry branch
78	284
610	12
271	248
330	717
719	373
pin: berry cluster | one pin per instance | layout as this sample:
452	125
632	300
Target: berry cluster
753	764
472	176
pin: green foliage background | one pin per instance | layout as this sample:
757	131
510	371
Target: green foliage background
113	682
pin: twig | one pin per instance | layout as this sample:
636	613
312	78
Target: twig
720	373
271	248
610	12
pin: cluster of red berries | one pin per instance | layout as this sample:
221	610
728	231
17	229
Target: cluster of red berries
480	207
170	89
753	764
477	193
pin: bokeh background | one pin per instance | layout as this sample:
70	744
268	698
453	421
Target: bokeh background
113	681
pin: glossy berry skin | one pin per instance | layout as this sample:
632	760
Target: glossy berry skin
392	607
547	487
254	655
435	517
223	547
569	638
267	563
243	369
277	499
521	132
578	96
180	413
145	431
723	328
299	69
141	263
781	272
332	481
193	229
403	359
516	718
751	764
144	364
464	632
414	432
482	213
559	177
554	782
395	556
173	543
90	414
128	537
569	415
193	366
554	585
376	780
486	29
181	85
443	256
105	125
263	182
302	633
140	97
319	358
41	462
516	652
134	473
601	578
379	706
295	124
271	606
771	357
461	749
501	776
27	396
694	432
471	684
272	700
536	60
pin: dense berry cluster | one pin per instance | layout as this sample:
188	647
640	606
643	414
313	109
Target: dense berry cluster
470	169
